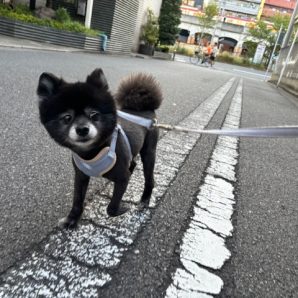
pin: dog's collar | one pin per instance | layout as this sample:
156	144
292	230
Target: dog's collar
105	160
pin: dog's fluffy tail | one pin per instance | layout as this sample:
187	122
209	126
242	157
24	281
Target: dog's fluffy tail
139	92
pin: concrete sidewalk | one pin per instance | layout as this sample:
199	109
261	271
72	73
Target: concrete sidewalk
12	42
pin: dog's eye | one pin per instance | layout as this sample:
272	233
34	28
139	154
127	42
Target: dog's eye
94	116
67	119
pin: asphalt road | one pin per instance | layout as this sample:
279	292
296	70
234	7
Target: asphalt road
36	176
239	71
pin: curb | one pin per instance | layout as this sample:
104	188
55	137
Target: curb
38	48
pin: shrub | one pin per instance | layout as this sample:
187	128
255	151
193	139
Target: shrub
225	57
182	51
242	61
150	30
22	8
24	15
162	48
62	15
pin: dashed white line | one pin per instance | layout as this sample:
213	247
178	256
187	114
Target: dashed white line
249	72
203	244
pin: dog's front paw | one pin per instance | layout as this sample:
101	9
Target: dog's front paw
116	211
68	223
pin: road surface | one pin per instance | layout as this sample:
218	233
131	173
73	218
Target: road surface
223	217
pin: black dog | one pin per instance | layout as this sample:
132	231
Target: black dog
82	116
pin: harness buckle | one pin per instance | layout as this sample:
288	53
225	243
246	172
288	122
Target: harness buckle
154	124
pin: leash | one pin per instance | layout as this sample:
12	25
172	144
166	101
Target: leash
254	132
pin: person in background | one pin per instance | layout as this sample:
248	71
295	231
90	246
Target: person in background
213	54
207	53
221	48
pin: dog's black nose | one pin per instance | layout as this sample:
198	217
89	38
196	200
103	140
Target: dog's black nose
82	131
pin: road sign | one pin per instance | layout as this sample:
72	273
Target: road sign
259	53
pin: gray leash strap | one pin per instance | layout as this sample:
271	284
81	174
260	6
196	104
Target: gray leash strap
258	132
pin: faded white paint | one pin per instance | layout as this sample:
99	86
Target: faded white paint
194	280
204	241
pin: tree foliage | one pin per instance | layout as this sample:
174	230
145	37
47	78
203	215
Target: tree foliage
262	32
206	20
169	21
279	20
250	47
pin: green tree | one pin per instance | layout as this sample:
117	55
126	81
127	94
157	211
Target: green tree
250	47
206	20
279	20
262	32
169	21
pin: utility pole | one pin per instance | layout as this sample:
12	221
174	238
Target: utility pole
88	13
291	27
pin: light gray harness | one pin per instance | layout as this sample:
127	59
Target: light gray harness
105	160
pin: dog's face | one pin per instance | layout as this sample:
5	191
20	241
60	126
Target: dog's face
79	116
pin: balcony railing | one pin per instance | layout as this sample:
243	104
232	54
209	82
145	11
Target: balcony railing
242	7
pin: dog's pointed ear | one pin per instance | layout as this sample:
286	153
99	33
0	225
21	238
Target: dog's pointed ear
48	85
98	79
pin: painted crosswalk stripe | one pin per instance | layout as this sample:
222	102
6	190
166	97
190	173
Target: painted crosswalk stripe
77	263
203	244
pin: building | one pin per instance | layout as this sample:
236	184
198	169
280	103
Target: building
232	24
271	7
120	20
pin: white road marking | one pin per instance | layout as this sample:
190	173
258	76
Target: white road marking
76	263
204	241
249	72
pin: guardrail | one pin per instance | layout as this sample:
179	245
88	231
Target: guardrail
49	35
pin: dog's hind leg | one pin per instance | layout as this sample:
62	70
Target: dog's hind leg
148	153
80	189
